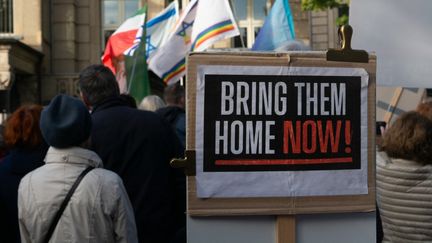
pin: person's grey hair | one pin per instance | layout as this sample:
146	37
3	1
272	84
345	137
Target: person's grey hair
97	83
151	103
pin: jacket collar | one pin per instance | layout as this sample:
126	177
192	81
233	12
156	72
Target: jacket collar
107	103
74	155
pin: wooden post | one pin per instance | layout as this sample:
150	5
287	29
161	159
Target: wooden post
285	229
393	103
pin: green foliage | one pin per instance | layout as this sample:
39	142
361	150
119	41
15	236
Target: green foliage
342	20
319	5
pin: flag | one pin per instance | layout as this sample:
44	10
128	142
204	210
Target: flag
214	21
126	40
122	39
168	62
160	28
136	64
202	24
278	28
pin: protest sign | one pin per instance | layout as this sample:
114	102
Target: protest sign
281	122
263	129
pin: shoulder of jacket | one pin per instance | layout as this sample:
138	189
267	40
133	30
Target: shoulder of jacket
106	176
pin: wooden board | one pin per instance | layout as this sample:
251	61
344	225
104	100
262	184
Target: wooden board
277	205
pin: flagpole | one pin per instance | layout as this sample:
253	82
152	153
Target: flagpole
133	71
235	16
143	34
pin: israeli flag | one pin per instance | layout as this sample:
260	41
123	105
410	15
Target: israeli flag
160	28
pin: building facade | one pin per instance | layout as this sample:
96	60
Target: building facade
45	43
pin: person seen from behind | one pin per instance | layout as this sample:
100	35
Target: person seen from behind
27	150
174	112
138	145
404	179
97	211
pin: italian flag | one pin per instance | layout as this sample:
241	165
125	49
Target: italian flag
123	39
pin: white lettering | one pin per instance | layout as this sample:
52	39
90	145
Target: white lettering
311	99
238	139
242	97
254	137
227	97
280	102
338	100
324	99
299	97
269	137
221	137
265	96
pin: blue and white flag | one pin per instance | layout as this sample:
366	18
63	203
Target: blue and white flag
277	29
203	23
158	30
168	62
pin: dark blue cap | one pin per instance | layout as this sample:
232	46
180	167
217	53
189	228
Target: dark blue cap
65	122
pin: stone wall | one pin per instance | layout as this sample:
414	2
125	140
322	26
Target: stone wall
323	29
74	41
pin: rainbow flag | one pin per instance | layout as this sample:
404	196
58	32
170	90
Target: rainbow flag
177	69
203	23
168	60
214	21
212	31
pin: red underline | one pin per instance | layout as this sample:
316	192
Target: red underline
284	161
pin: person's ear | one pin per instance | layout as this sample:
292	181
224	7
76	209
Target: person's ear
85	100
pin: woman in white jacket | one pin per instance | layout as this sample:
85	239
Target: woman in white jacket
99	209
404	180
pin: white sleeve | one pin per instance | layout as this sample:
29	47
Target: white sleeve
22	212
124	221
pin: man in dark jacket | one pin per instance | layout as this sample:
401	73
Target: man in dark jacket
138	146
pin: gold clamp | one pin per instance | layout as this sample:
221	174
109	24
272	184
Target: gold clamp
187	163
346	54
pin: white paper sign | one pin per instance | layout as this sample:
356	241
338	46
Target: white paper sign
275	131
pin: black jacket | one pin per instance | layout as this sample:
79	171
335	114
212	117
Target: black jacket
13	168
138	145
175	116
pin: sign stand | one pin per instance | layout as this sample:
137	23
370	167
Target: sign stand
284	208
285	229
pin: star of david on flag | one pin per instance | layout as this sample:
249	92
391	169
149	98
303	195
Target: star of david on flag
150	47
185	31
202	23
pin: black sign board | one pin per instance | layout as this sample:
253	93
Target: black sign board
281	123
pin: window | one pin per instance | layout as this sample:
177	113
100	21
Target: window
249	19
115	12
6	16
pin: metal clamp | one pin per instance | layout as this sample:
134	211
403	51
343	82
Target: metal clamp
346	54
187	163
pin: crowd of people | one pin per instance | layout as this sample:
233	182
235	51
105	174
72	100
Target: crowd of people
94	169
